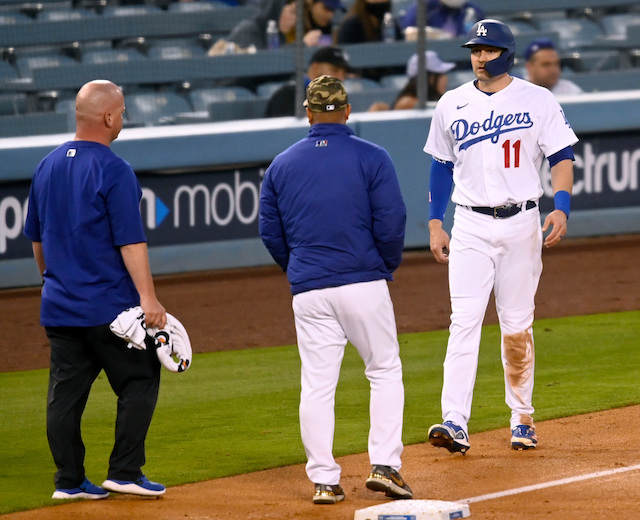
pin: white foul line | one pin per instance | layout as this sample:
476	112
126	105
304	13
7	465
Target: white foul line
552	483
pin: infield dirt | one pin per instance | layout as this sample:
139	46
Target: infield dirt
243	308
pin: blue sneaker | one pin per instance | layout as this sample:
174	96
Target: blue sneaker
143	486
523	437
85	490
449	435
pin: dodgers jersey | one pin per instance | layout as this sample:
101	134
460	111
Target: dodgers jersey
497	142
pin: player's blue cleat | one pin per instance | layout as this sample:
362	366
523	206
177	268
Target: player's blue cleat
523	437
449	435
143	486
85	490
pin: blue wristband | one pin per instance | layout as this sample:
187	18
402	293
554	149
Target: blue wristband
562	201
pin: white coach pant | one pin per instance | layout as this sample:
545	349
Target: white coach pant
503	255
325	320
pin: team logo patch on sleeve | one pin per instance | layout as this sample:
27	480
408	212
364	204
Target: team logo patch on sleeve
71	152
322	143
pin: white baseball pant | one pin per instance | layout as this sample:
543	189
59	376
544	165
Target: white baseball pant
325	320
503	255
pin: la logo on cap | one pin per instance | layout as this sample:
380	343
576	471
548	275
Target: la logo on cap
482	31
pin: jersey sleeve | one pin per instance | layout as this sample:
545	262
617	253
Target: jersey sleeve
440	142
558	133
32	223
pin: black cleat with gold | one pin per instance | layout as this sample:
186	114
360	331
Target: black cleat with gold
384	478
327	494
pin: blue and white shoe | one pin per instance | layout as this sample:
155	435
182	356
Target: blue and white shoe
449	435
143	486
85	490
523	437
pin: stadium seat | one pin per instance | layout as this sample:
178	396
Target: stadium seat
174	50
201	98
13	103
459	77
266	90
59	15
361	101
149	109
130	10
242	108
7	71
572	33
397	81
11	18
196	6
100	56
615	25
68	108
360	85
26	65
592	60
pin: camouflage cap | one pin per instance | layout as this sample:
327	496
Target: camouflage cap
326	94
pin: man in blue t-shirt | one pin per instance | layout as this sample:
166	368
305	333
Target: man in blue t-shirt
332	216
89	244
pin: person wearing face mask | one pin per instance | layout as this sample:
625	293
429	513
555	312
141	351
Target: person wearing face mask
452	17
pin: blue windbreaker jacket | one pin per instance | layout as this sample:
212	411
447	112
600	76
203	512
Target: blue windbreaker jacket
331	210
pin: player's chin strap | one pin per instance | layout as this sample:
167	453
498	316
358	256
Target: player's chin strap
170	342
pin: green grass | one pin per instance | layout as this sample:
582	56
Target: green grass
236	412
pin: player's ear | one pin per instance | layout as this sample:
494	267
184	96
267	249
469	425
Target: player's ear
108	120
309	115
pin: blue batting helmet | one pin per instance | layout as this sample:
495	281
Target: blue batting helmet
496	34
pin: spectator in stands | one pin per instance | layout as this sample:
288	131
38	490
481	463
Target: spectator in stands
332	61
543	68
363	23
318	23
452	17
437	82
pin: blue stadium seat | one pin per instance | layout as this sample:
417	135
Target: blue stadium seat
11	18
201	98
130	10
266	90
196	6
360	85
26	65
68	108
149	109
592	60
100	56
243	108
170	50
58	15
13	103
394	81
7	71
615	25
573	33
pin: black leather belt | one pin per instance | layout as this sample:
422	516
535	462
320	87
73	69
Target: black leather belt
506	211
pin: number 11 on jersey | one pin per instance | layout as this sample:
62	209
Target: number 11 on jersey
507	153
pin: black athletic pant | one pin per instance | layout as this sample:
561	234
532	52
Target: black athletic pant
78	354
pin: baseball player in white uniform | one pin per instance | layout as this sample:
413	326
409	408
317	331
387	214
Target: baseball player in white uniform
488	139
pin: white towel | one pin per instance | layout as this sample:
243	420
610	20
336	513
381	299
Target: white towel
170	341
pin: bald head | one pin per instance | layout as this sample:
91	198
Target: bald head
99	110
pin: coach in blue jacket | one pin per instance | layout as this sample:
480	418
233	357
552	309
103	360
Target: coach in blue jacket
332	216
